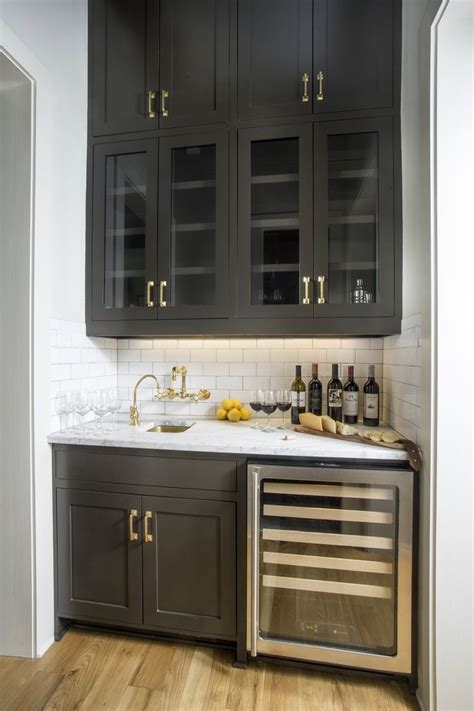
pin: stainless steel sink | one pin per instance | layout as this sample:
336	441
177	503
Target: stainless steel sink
170	428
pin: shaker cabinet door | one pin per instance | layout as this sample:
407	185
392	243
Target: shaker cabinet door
194	62
193	226
99	567
275	58
189	566
124	65
124	233
353	54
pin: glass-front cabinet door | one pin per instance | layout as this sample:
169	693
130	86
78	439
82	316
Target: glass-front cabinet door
124	230
355	261
275	222
193	227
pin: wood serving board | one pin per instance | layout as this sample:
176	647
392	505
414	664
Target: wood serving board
410	447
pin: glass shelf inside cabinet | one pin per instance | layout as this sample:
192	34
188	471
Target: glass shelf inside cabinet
125	231
275	222
353	220
193	226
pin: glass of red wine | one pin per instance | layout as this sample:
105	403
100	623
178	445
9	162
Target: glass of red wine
269	405
283	404
256	400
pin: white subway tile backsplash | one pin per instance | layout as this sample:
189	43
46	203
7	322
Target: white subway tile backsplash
298	342
341	355
253	355
203	356
177	356
229	356
243	369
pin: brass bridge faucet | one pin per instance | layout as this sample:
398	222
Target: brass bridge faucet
182	394
134	416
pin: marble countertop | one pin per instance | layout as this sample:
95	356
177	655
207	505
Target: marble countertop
207	435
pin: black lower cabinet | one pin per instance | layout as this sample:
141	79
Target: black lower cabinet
189	565
150	562
99	569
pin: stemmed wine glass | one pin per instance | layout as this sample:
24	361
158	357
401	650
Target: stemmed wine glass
82	406
256	400
114	404
100	406
269	405
283	404
60	406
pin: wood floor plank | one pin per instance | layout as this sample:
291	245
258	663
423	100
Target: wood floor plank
88	671
33	695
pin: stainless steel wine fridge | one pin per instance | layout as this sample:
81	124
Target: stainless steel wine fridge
330	565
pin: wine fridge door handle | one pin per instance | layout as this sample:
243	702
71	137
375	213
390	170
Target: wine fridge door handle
255	544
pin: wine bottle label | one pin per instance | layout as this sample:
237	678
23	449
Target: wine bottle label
371	406
335	398
314	401
298	399
350	403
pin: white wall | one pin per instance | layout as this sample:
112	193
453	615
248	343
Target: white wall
49	39
454	190
16	460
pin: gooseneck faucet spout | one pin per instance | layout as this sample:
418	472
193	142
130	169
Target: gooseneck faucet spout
134	416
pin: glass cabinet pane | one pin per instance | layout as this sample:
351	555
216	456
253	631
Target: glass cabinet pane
353	218
275	222
125	223
193	226
328	561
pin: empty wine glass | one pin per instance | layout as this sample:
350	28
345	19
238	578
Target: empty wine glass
115	404
69	408
283	404
255	403
269	405
82	406
60	407
100	406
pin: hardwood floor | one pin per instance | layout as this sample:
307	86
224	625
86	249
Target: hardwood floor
89	670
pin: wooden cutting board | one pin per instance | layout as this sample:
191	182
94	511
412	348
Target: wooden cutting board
410	447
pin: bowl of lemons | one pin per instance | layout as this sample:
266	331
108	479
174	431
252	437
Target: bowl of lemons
233	411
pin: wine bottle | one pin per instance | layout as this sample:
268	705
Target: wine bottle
350	398
298	397
335	395
371	400
315	392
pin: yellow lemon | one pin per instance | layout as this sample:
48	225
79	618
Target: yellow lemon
237	404
227	404
221	414
233	415
245	414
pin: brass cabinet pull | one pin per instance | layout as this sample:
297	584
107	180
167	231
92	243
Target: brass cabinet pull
149	287
321	282
148	537
163	284
132	534
306	282
164	95
305	80
151	113
320	94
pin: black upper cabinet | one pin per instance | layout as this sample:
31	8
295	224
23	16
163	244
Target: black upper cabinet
193	226
194	64
274	58
123	65
124	232
353	54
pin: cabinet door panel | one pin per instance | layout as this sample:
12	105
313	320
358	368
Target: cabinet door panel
124	229
275	221
274	54
194	61
354	231
124	64
193	252
353	48
189	566
99	570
